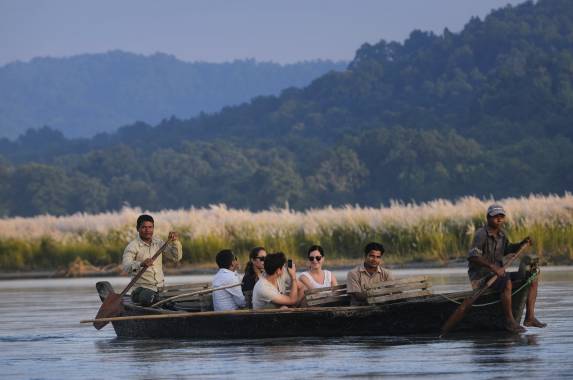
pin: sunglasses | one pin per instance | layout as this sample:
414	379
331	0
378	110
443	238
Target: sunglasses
260	258
312	258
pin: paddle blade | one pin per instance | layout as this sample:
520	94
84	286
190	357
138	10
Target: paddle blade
111	307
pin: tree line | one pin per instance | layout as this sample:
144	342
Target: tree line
482	112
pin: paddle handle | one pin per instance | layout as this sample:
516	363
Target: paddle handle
204	291
507	264
142	270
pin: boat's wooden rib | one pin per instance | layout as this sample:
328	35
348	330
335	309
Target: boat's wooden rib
320	290
401	289
329	296
397	296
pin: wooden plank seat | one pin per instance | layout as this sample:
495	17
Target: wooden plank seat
331	296
400	289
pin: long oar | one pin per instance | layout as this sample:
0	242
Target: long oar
202	314
461	311
204	291
112	305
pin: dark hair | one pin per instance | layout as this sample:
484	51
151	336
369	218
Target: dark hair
225	258
373	247
249	270
274	261
144	218
315	248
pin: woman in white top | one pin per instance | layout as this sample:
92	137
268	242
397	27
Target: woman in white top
316	277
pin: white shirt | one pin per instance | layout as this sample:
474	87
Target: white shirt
327	279
264	292
230	298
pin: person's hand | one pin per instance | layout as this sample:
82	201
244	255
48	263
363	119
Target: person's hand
173	236
147	262
499	271
292	271
527	240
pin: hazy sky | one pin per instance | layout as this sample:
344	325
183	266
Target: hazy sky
217	30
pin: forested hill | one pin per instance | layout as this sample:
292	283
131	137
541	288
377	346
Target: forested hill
484	112
86	94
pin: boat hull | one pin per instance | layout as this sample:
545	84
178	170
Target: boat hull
424	315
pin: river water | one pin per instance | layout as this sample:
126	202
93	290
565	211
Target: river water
41	338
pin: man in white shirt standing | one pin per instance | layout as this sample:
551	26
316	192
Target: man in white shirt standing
231	298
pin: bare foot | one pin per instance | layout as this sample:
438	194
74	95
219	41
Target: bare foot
534	322
514	328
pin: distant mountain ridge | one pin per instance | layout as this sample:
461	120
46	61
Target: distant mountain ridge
91	93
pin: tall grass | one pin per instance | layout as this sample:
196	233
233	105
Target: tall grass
429	232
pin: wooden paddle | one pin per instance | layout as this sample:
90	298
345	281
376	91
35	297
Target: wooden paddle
204	291
112	305
461	311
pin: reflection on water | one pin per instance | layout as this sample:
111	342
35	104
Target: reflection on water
40	337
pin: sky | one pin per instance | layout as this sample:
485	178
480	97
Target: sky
216	31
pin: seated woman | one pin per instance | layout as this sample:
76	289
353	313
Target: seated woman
254	270
316	277
270	290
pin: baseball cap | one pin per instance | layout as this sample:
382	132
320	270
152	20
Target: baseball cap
495	209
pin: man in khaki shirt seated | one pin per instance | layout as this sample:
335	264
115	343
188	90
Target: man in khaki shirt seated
138	254
368	273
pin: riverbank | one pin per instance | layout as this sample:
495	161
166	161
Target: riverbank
426	233
208	268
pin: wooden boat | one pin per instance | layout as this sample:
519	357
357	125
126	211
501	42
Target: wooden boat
418	315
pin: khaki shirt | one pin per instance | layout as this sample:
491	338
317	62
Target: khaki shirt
358	279
138	250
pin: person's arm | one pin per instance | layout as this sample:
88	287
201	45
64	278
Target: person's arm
129	262
292	298
333	280
236	293
511	248
494	268
475	254
305	281
174	250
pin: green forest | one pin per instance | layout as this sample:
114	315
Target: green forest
485	112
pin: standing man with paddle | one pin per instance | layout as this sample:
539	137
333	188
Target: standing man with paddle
486	258
139	254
